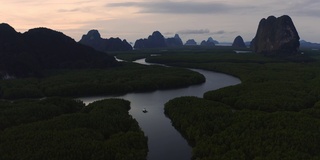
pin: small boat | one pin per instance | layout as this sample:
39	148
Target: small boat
144	110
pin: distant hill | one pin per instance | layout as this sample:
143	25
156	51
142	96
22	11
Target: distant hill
238	42
191	42
209	42
28	54
93	39
309	45
210	39
156	40
174	41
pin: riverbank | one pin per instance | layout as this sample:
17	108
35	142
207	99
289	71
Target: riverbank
272	114
164	141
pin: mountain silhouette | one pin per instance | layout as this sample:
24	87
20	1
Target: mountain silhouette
276	36
156	40
239	43
30	53
174	41
93	39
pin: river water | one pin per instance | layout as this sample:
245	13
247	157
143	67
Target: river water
164	141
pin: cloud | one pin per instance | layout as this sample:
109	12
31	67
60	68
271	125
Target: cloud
184	7
125	4
307	8
69	10
83	9
298	8
168	33
293	7
219	32
200	31
203	31
49	2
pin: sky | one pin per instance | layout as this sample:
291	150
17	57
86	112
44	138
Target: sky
135	19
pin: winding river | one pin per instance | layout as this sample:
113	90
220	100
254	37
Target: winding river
164	141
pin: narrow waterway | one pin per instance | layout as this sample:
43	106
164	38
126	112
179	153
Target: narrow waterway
164	141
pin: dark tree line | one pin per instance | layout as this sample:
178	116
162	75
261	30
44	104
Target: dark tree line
101	130
118	80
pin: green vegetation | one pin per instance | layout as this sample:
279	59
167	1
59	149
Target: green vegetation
128	77
268	84
272	114
219	132
132	55
64	129
27	111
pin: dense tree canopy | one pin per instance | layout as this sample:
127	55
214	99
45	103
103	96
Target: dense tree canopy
64	129
272	114
219	132
128	77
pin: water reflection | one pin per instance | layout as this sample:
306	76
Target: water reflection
164	142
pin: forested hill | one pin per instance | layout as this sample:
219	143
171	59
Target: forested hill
28	54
